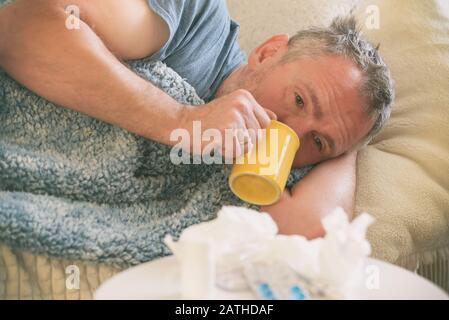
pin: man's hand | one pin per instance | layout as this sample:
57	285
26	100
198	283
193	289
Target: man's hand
237	111
329	185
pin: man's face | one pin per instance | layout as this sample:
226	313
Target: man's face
318	98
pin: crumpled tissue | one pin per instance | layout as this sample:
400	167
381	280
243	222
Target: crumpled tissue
214	253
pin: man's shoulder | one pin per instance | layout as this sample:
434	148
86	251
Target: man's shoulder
194	24
191	11
203	44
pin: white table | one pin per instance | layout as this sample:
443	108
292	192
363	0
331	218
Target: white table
159	279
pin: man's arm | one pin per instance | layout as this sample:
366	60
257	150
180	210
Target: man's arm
76	69
329	185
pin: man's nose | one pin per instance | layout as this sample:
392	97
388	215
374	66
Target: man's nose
304	128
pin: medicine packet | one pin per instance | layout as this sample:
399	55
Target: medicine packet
274	280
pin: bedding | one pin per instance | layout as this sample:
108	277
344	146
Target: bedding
78	188
28	276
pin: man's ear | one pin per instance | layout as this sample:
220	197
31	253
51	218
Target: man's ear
268	49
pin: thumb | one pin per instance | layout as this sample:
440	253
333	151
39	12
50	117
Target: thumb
271	114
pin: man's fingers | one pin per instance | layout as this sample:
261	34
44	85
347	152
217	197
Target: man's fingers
252	128
271	114
246	138
262	116
238	147
251	122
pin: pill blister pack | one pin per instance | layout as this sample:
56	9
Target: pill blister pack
274	280
268	279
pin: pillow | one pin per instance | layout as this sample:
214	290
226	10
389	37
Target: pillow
403	176
263	18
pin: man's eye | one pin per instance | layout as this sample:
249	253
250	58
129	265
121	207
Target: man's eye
318	142
299	101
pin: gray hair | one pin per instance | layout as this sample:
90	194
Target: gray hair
343	37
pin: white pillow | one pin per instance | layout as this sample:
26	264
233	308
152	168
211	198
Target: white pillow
403	177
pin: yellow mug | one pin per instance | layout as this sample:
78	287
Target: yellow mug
260	176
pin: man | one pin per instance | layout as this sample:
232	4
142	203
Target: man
329	85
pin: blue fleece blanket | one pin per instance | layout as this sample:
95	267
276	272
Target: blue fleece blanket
78	188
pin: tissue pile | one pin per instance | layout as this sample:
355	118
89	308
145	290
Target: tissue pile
242	250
